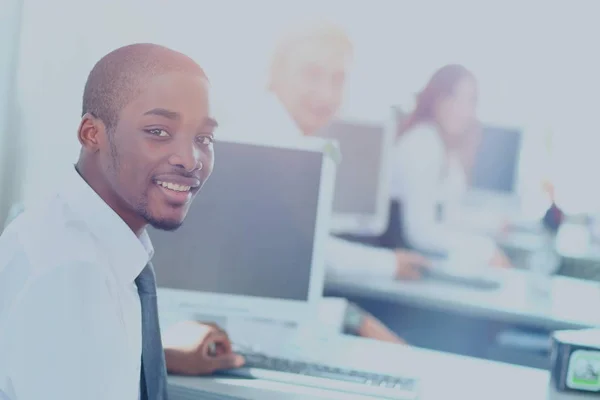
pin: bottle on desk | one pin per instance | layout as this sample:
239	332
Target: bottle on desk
545	261
543	264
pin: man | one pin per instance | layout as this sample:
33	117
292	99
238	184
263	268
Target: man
305	91
78	316
307	79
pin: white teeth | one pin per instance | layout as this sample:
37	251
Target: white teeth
174	186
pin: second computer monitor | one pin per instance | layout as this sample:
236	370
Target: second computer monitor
497	160
361	197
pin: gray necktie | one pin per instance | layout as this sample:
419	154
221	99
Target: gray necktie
153	379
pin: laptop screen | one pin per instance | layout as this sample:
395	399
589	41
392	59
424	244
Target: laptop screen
251	228
357	176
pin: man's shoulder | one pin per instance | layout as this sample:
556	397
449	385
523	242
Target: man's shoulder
45	266
48	236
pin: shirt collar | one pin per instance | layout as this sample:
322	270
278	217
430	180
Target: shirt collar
128	253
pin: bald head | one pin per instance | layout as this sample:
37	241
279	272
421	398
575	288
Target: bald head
308	73
120	76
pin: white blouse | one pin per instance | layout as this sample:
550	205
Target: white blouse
426	180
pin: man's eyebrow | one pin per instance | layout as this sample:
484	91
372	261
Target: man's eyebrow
209	122
163	113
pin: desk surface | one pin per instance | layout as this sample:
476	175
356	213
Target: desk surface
572	304
443	376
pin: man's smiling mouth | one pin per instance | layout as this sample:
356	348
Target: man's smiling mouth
174	186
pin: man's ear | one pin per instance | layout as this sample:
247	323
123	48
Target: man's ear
91	132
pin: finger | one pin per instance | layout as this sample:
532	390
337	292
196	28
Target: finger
216	343
215	329
227	361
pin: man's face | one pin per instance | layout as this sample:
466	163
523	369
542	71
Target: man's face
161	151
310	82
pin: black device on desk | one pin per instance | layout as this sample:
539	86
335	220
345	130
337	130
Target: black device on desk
575	369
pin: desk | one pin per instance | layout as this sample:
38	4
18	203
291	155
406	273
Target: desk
570	307
443	376
476	322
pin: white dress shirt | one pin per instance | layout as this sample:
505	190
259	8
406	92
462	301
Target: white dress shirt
270	118
423	177
70	314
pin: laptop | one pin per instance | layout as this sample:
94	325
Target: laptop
361	196
250	256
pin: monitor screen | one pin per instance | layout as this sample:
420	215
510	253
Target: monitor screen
358	174
250	229
497	160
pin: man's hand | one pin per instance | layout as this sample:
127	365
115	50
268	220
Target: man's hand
409	264
196	348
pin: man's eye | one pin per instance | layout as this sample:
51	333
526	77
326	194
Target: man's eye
205	140
158	132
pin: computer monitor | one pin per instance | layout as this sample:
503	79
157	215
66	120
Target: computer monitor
495	171
361	196
253	241
497	160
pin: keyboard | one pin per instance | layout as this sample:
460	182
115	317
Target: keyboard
262	366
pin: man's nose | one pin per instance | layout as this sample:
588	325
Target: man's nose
187	156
